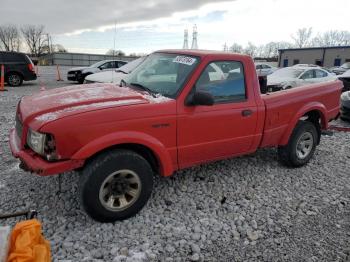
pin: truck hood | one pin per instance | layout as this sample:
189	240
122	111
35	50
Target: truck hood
51	105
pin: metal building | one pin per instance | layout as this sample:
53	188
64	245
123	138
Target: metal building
77	59
323	56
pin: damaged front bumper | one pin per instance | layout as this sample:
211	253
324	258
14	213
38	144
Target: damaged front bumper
34	163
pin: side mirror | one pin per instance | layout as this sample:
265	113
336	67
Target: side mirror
200	98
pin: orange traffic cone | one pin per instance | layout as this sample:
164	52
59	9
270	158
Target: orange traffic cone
58	78
37	70
2	79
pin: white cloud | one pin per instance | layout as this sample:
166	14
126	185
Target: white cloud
148	25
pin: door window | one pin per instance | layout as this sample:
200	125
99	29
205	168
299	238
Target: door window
119	64
224	87
107	65
320	74
308	75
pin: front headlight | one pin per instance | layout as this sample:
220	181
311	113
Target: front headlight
36	141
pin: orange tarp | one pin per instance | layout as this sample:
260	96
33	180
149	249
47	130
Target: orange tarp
27	243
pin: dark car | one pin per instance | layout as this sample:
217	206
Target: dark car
345	106
18	68
79	73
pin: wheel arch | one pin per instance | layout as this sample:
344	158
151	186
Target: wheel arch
313	112
145	145
13	72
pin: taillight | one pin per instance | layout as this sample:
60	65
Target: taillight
31	67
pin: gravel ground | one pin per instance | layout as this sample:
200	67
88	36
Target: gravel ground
245	209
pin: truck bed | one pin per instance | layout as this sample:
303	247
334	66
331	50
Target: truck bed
284	108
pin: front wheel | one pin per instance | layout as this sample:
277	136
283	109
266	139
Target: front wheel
301	145
115	185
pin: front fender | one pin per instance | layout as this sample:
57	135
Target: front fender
314	106
118	138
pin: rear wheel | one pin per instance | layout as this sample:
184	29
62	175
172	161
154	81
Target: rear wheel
301	145
115	185
14	79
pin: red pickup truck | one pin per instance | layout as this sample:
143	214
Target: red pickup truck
179	108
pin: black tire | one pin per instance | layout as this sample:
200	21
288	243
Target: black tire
345	119
288	154
81	78
14	79
95	174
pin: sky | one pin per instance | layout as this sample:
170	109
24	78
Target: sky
143	26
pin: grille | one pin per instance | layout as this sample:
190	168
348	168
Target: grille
19	127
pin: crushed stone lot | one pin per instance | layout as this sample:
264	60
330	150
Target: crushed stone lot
245	209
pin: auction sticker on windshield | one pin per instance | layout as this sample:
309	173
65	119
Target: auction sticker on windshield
186	60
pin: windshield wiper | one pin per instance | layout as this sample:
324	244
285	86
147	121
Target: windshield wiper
151	92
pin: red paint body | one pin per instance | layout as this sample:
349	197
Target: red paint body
179	136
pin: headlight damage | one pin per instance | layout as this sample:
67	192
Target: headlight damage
43	144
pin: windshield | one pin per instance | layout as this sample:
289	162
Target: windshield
288	72
127	68
346	65
163	73
98	64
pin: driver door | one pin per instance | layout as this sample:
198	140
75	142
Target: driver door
227	128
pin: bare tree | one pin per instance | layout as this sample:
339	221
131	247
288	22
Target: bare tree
35	39
250	50
332	38
9	37
302	37
59	48
115	52
271	49
260	51
236	48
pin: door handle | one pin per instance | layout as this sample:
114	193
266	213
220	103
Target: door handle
247	112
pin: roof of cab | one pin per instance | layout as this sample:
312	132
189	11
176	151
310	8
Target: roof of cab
200	53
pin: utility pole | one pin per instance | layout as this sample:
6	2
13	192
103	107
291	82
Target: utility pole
115	33
48	43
